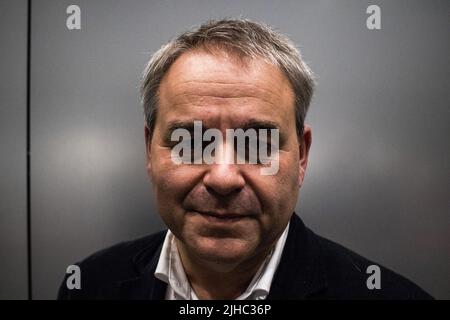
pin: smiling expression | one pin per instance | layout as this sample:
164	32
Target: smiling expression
226	214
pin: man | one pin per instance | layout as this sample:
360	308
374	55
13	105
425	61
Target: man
233	233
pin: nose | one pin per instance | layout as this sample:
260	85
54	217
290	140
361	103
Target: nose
224	179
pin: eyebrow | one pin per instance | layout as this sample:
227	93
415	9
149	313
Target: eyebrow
247	124
259	124
173	125
177	124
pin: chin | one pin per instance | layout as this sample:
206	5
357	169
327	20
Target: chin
223	251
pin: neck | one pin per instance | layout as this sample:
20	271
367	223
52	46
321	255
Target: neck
211	282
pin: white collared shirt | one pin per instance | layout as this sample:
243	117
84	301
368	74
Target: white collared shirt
171	271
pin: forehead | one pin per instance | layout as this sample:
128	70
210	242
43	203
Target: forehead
202	85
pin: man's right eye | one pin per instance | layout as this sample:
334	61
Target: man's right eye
191	148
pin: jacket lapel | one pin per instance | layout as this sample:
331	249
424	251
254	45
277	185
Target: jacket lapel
301	272
145	286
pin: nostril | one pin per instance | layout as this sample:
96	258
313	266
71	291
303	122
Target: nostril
221	192
224	186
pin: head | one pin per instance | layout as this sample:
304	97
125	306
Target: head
228	74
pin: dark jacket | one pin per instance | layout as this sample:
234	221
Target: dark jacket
311	267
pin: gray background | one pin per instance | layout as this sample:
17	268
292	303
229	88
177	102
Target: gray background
379	174
13	148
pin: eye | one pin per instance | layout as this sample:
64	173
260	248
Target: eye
194	156
251	151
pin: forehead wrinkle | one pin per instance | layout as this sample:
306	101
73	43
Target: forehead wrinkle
212	100
220	93
224	89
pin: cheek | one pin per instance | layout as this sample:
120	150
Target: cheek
278	193
289	172
172	182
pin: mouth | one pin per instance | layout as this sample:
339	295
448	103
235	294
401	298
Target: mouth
215	217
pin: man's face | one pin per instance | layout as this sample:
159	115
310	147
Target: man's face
225	214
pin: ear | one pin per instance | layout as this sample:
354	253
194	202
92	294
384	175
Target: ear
303	146
148	143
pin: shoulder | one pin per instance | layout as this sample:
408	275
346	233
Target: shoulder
123	252
348	274
112	265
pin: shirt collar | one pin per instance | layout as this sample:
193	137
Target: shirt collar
171	271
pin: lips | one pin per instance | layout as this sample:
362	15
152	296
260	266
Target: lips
222	216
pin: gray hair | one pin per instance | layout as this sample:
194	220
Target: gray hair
242	37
